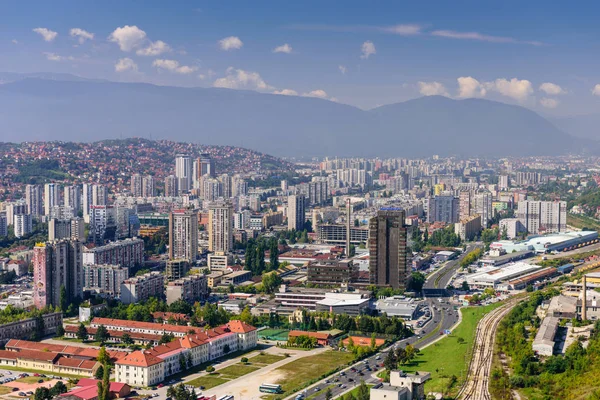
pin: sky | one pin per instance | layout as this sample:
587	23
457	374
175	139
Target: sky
538	54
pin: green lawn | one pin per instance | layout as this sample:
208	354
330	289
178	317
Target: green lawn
582	221
5	390
266	359
31	379
237	370
304	371
446	357
208	381
354	391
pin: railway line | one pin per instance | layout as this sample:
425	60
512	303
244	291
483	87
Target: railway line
477	380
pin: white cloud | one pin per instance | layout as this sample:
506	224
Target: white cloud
56	57
126	64
15	41
240	79
342	69
127	37
403	29
432	89
596	90
481	37
173	66
549	103
470	87
231	43
46	33
284	48
515	88
81	35
367	49
286	92
320	93
154	49
551	89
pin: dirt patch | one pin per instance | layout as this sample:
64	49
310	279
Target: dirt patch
27	387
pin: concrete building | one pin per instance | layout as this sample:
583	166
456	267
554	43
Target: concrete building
102	223
220	227
183	173
171	189
543	216
51	197
25	328
66	229
331	272
219	261
23	225
3	224
72	198
272	218
136	185
183	235
352	304
513	227
206	165
55	265
189	289
468	228
543	344
141	288
235	278
128	253
483	207
388	264
336	234
34	200
105	278
402	386
296	212
444	208
398	306
176	269
148	189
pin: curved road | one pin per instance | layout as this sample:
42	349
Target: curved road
443	318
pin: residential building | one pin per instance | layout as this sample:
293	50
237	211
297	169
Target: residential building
136	185
51	197
256	222
512	226
25	328
34	200
141	288
189	289
148	186
183	235
332	272
483	207
72	198
296	212
503	182
219	261
220	227
183	173
543	216
3	224
444	208
128	253
388	264
56	265
468	228
336	234
528	178
171	188
272	218
66	229
102	223
206	165
23	225
177	269
105	278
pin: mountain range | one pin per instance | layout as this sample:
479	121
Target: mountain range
45	106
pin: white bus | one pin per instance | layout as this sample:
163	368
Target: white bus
270	388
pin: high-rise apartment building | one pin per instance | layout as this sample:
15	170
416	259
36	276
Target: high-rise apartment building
171	186
211	188
141	288
55	265
465	204
3	224
102	224
183	172
206	165
443	208
34	200
99	195
388	264
148	186
73	228
86	200
23	225
105	278
542	216
51	197
239	186
128	253
93	195
483	207
13	209
220	227
189	289
296	212
183	235
503	182
72	198
136	185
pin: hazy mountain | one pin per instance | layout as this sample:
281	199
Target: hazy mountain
87	110
583	126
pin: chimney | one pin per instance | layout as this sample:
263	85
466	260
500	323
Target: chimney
584	300
348	218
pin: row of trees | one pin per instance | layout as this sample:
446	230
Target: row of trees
472	257
302	341
400	356
43	393
439	238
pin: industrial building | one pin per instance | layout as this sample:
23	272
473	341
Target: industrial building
493	276
398	306
543	344
549	243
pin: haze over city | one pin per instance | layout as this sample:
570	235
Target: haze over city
313	200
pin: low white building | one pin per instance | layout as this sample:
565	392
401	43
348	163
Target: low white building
543	344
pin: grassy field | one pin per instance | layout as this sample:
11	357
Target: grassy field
582	221
300	372
266	359
31	379
447	357
223	375
5	390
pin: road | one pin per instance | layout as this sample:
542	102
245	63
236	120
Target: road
444	317
477	380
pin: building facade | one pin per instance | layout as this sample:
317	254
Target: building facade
388	264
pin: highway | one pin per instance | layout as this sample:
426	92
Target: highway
444	317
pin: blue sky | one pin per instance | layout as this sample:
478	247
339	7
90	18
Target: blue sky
540	54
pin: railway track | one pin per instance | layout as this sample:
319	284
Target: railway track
477	380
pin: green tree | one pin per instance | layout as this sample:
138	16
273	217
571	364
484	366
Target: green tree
166	338
60	331
103	357
63	300
373	341
101	334
390	362
273	255
58	389
126	339
210	369
270	282
104	385
328	394
416	281
246	316
99	372
42	393
363	391
82	332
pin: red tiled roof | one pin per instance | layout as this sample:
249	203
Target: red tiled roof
238	326
139	359
46	356
76	363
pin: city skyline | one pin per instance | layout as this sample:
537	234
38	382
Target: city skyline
363	56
